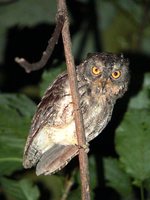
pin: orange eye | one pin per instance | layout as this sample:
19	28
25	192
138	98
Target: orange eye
116	74
96	70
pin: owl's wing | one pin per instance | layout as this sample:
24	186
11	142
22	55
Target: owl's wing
40	149
46	107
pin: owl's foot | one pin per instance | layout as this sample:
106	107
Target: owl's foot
85	147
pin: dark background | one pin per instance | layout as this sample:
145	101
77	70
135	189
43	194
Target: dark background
96	26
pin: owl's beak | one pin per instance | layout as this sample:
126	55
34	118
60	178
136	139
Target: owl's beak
103	84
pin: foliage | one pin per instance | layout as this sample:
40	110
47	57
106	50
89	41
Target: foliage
117	178
119	26
19	189
17	111
132	144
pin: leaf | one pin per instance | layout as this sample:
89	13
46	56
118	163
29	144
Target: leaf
120	26
24	13
132	143
19	190
117	178
106	14
142	99
115	37
16	112
49	76
82	48
131	7
146	40
27	12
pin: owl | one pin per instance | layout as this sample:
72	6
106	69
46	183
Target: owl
52	141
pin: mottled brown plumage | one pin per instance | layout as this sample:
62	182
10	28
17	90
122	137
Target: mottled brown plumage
102	79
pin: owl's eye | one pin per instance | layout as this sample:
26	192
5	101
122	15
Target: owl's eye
96	71
116	74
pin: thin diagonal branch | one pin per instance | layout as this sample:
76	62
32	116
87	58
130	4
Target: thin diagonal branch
47	53
68	187
83	159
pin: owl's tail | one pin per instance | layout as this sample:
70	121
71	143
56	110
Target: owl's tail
55	158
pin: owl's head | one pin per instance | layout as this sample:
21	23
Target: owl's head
106	73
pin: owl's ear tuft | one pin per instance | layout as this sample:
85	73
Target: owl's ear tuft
121	55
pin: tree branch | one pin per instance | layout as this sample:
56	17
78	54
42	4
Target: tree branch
47	53
83	158
63	24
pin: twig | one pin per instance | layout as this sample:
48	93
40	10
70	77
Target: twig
47	53
83	159
69	185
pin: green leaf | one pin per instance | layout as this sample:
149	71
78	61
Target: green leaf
131	7
49	76
146	40
106	14
142	99
117	178
118	31
27	12
16	113
83	48
19	190
132	143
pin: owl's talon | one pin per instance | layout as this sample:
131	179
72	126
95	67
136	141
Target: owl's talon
85	147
